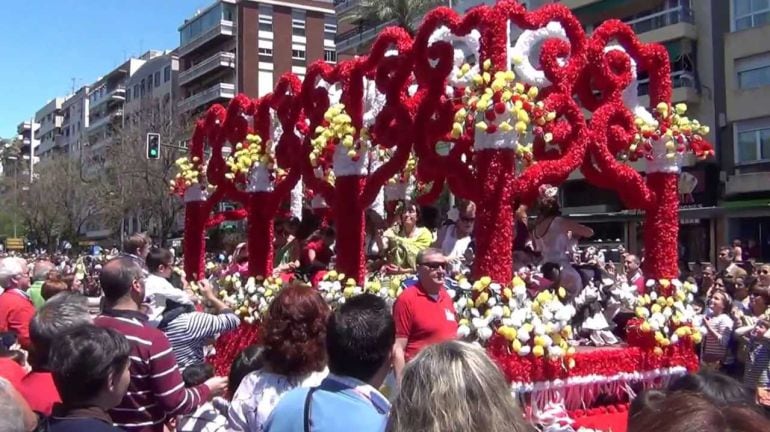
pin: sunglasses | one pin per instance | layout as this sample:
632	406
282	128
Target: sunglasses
434	265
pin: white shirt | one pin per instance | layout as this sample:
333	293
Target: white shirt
157	291
259	393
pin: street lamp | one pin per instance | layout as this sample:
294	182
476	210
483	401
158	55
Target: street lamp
15	192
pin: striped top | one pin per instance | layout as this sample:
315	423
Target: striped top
715	346
758	365
190	332
156	392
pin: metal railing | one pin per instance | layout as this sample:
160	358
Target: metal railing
342	6
224	28
221	90
119	92
207	65
679	79
664	18
359	35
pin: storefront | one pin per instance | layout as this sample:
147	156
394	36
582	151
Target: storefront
698	216
749	221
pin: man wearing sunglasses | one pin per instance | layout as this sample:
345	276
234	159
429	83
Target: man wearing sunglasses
424	312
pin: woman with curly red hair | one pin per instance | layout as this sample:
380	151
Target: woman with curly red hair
294	354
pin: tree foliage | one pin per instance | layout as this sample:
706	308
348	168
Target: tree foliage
406	13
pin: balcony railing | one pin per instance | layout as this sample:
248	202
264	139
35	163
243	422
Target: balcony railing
96	124
218	91
359	36
679	79
664	18
224	28
116	94
226	59
342	6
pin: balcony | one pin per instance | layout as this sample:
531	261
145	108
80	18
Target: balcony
224	28
352	39
684	86
118	94
747	183
103	121
343	6
576	4
669	24
220	59
218	91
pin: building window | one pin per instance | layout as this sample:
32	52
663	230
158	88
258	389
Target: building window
297	54
298	22
753	71
167	74
750	13
330	56
752	142
330	27
266	55
128	95
136	91
265	17
157	79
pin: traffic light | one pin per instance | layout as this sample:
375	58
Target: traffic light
153	145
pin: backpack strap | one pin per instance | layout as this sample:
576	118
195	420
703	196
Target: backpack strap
306	413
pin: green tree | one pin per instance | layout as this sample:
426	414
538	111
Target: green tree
405	13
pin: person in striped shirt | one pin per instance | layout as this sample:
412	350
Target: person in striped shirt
189	331
719	328
757	373
156	392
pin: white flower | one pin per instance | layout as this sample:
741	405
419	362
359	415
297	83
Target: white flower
484	333
525	350
496	312
463	331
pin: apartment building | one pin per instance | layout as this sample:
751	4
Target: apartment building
744	123
244	46
27	132
75	111
153	83
50	118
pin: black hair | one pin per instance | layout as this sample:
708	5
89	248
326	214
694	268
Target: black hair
551	271
717	388
83	359
117	276
197	374
360	337
158	257
249	360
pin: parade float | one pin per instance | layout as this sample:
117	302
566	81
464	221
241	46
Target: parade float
492	105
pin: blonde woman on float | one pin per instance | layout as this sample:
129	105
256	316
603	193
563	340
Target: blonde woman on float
454	387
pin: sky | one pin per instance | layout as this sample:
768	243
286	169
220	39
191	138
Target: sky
44	44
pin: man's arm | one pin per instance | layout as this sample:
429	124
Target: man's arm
167	385
18	321
399	358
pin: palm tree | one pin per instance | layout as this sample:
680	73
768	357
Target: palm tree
405	13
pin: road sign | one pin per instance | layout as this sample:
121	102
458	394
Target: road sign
14	244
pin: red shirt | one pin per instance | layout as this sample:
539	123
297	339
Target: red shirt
423	321
16	311
39	391
12	372
638	280
323	254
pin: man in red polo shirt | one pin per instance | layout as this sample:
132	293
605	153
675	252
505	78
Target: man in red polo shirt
16	308
424	313
634	274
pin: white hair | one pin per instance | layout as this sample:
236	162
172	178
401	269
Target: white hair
10	267
11	414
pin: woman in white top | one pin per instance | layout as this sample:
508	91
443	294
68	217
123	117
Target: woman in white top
554	235
454	239
294	355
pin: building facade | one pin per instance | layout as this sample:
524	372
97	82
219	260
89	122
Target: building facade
744	124
244	46
75	123
50	118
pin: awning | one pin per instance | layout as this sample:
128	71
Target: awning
748	204
630	215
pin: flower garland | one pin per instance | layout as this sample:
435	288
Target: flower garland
664	317
190	171
536	326
249	299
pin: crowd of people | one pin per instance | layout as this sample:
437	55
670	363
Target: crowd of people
120	342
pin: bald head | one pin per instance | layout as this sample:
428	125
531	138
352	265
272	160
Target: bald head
41	270
118	276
